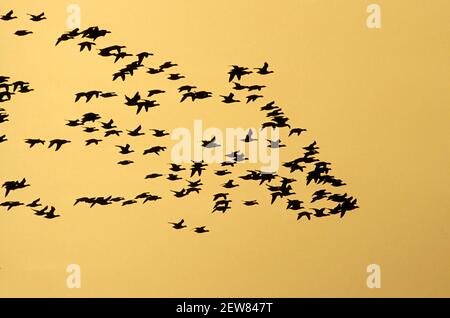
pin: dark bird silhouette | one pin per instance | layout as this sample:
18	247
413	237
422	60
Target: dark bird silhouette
179	194
108	94
34	204
133	100
248	137
125	162
94	33
167	65
108	125
136	132
238	71
143	55
155	92
145	104
74	123
113	132
176	168
173	177
86	45
3	138
201	229
294	205
90	129
153	176
320	212
186	88
197	167
8	16
239	87
251	203
58	142
304	213
124	150
296	131
229	99
156	150
38	17
229	184
111	50
51	214
151	198
255	87
23	32
319	195
93	141
129	202
210	143
87	95
40	212
222	195
263	70
222	172
252	98
14	185
175	76
11	204
159	133
120	55
154	70
179	225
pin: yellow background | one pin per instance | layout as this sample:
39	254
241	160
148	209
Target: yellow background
376	101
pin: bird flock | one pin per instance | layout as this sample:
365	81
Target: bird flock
327	200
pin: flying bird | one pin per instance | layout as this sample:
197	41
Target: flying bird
58	142
38	17
264	70
179	225
8	16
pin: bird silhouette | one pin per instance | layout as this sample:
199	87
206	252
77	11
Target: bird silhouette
264	70
124	150
38	17
93	141
222	172
159	133
153	176
167	65
239	87
11	204
152	70
248	137
86	45
252	98
155	92
108	94
136	132
173	177
201	229
113	132
143	55
40	212
179	225
210	143
238	71
125	162
8	16
128	202
176	168
3	138
186	88
23	32
90	129
296	131
34	204
197	167
175	76
251	203
229	184
108	125
74	123
51	214
155	150
304	214
255	87
229	99
58	142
